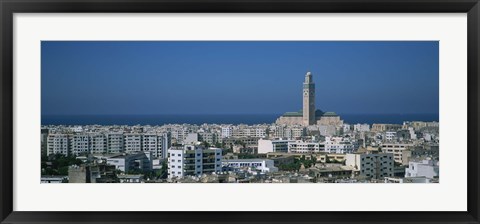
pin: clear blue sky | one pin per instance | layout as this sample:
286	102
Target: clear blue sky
84	77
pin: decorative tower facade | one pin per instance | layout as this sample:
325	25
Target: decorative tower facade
308	100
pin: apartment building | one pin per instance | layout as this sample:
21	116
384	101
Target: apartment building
58	144
193	160
305	147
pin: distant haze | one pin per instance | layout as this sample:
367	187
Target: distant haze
244	77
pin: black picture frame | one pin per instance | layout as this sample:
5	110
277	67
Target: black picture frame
9	7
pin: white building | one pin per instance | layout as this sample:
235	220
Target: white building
375	166
361	127
133	142
305	147
152	143
327	130
191	138
262	165
266	146
58	144
338	145
115	142
98	143
80	144
425	168
413	135
166	141
227	131
193	160
179	134
346	128
390	136
260	132
210	138
427	137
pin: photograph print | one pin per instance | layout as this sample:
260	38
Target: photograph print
172	112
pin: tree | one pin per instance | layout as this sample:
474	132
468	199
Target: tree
218	145
58	164
295	166
302	159
246	156
164	170
206	144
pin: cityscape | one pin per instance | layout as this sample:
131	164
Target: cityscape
308	145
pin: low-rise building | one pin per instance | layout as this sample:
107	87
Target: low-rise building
390	136
52	179
92	173
385	127
396	180
331	172
227	131
305	147
361	127
140	161
266	146
338	145
262	165
210	138
130	178
424	168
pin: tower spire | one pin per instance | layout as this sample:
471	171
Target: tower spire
308	100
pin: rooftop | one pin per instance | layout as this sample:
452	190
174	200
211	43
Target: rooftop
246	160
330	114
299	113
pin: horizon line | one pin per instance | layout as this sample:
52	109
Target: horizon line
430	113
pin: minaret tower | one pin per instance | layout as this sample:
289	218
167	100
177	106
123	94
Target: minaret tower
308	100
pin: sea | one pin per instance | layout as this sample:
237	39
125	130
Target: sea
198	119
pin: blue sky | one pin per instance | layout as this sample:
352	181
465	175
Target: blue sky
242	77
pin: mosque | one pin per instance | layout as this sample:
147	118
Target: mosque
309	116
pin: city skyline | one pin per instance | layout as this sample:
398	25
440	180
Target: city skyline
94	78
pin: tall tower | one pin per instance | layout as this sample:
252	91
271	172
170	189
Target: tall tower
308	100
